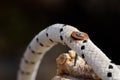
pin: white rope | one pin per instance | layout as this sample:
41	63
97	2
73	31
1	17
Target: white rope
73	38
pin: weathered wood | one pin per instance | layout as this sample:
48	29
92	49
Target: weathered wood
68	71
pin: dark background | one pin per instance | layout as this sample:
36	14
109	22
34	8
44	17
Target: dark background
21	20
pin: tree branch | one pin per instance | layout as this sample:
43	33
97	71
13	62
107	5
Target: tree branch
68	71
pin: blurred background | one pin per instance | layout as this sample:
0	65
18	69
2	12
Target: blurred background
21	20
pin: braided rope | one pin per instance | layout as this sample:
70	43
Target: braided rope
73	38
